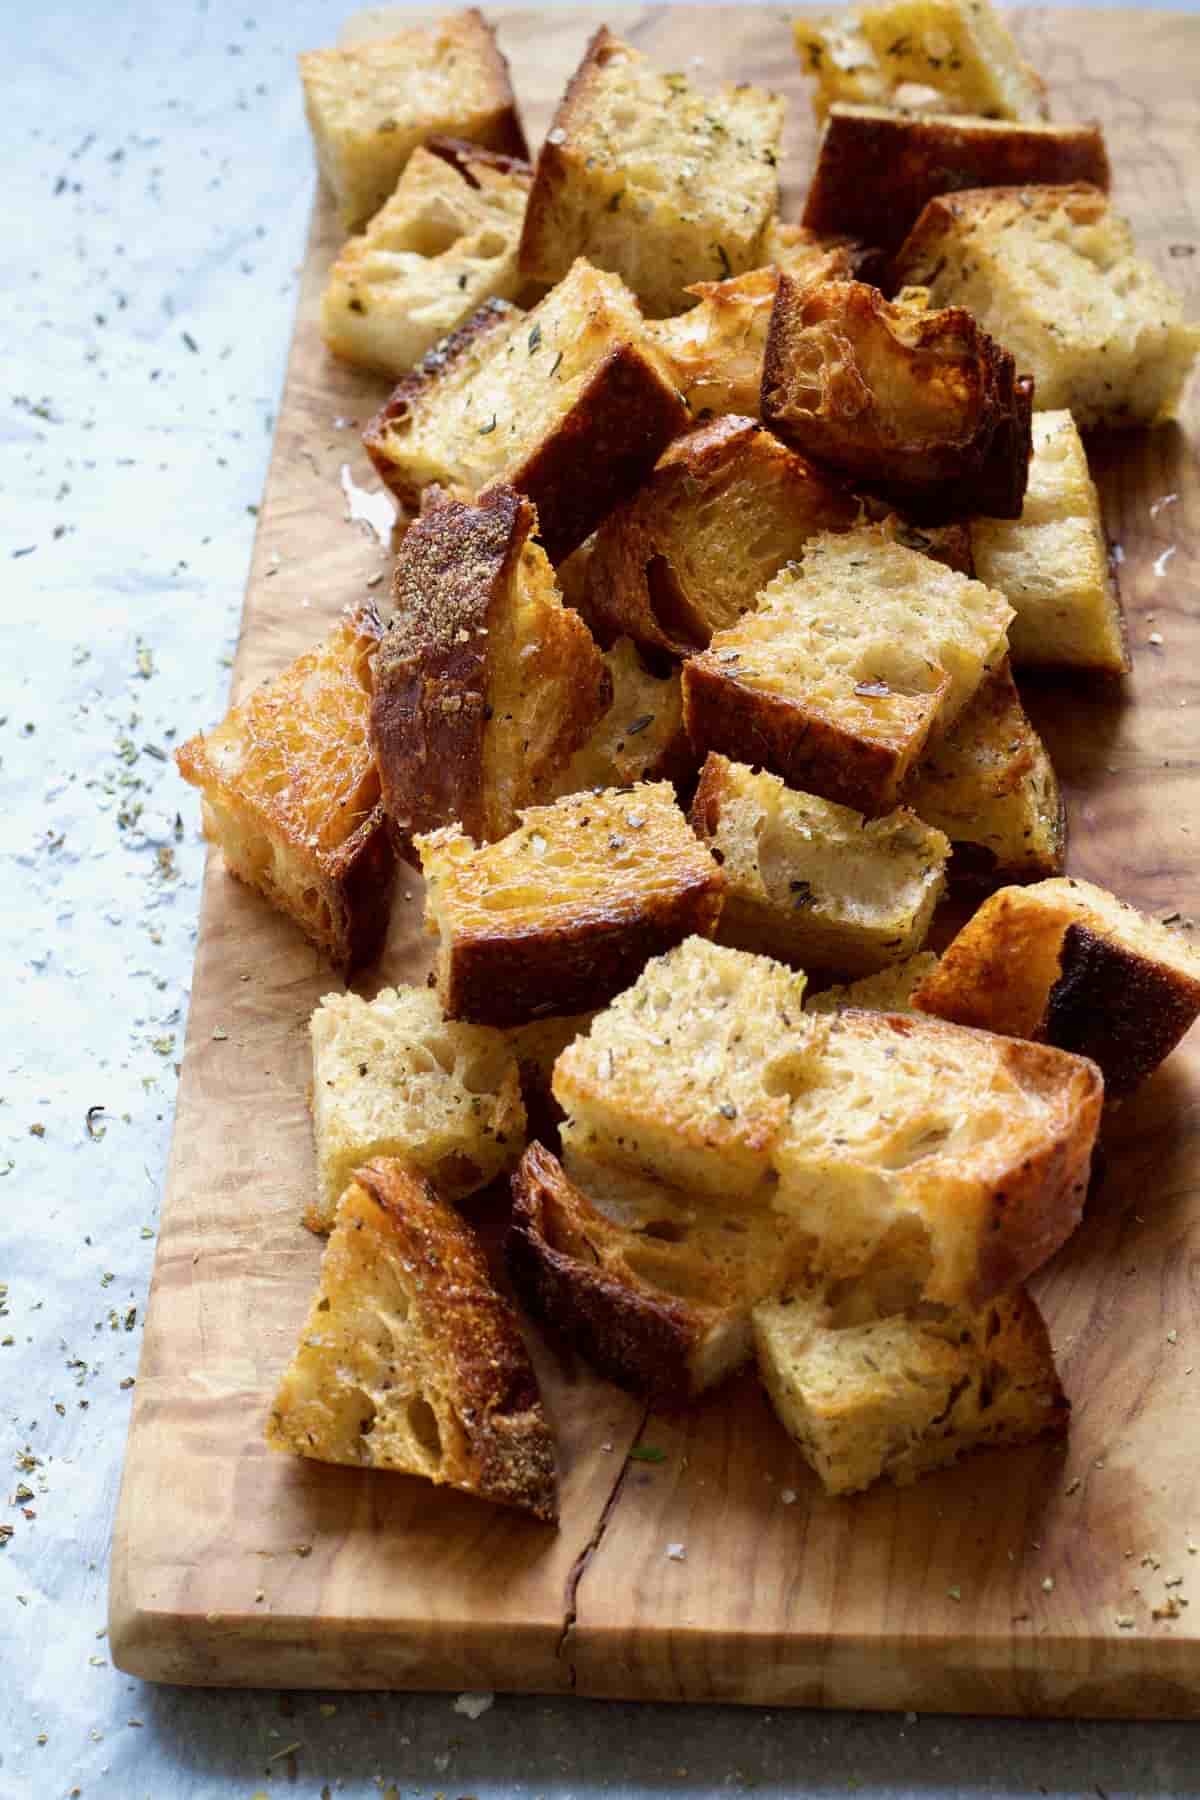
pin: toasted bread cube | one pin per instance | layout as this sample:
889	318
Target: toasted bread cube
953	56
653	1287
959	1159
852	659
877	168
727	506
1052	563
1067	963
715	349
685	1076
392	1077
644	176
640	737
891	990
570	404
991	787
409	1359
371	105
921	407
1051	272
444	243
485	684
562	913
902	1395
291	794
812	883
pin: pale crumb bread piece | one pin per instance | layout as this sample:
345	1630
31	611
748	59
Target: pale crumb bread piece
444	242
921	407
485	684
409	1359
393	1077
652	1286
991	787
725	508
899	1396
686	1076
852	659
570	403
562	913
1065	962
715	349
647	177
291	794
640	737
813	883
961	1158
877	168
1053	563
371	105
1052	273
953	56
890	990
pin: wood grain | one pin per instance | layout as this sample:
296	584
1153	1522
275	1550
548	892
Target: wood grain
995	1587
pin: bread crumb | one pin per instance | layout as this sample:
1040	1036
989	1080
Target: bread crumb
676	1553
473	1706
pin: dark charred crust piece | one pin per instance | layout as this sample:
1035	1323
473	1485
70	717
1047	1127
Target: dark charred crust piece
877	169
464	157
771	732
849	380
505	978
429	706
431	369
1120	1009
634	1337
602	450
485	1367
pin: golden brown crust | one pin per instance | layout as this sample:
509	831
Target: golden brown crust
428	710
771	731
491	316
643	580
474	1342
877	169
635	1336
552	172
922	408
601	451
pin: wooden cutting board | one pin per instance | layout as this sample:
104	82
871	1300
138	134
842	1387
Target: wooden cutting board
1021	1582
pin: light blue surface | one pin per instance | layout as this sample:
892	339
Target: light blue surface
158	184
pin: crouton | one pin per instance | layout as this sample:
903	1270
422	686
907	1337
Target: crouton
684	1077
640	737
562	913
890	990
654	1288
954	56
644	176
727	506
570	404
877	168
444	243
812	883
911	1392
485	683
1065	962
291	794
921	407
393	1077
851	660
1052	563
715	349
1052	273
991	787
409	1359
370	106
